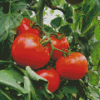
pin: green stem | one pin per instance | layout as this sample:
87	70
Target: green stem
64	53
42	40
9	62
10	6
2	92
45	42
52	46
39	12
61	36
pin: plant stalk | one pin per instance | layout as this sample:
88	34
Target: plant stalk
39	12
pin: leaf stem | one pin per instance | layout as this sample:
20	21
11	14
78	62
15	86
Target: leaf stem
2	92
39	12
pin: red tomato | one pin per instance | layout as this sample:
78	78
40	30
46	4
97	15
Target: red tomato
52	77
73	67
59	44
26	50
25	28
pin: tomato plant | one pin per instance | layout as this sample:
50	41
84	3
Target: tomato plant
59	43
73	67
26	50
52	76
26	28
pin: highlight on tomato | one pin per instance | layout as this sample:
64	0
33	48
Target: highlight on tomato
52	76
26	50
73	67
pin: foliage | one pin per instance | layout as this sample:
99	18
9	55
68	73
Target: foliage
81	26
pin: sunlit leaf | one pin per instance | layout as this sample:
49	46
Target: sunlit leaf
56	22
6	78
93	77
95	54
9	21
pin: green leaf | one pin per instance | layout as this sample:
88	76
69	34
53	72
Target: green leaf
93	77
95	54
94	91
37	82
20	6
69	89
17	74
51	11
27	87
1	1
68	11
88	5
48	28
97	33
59	95
5	46
78	19
3	36
9	21
56	22
65	29
95	67
89	33
27	14
87	19
6	78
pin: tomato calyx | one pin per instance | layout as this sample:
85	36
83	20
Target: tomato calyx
59	36
37	26
45	42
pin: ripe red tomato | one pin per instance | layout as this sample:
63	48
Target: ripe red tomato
52	77
73	67
26	28
26	50
59	44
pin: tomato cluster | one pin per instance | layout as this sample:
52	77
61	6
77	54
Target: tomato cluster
27	50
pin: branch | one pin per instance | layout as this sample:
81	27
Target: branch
39	12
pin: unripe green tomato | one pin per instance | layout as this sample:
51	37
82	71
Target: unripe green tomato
74	2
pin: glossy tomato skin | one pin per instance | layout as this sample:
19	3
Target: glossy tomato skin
59	44
26	28
26	50
73	67
52	77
